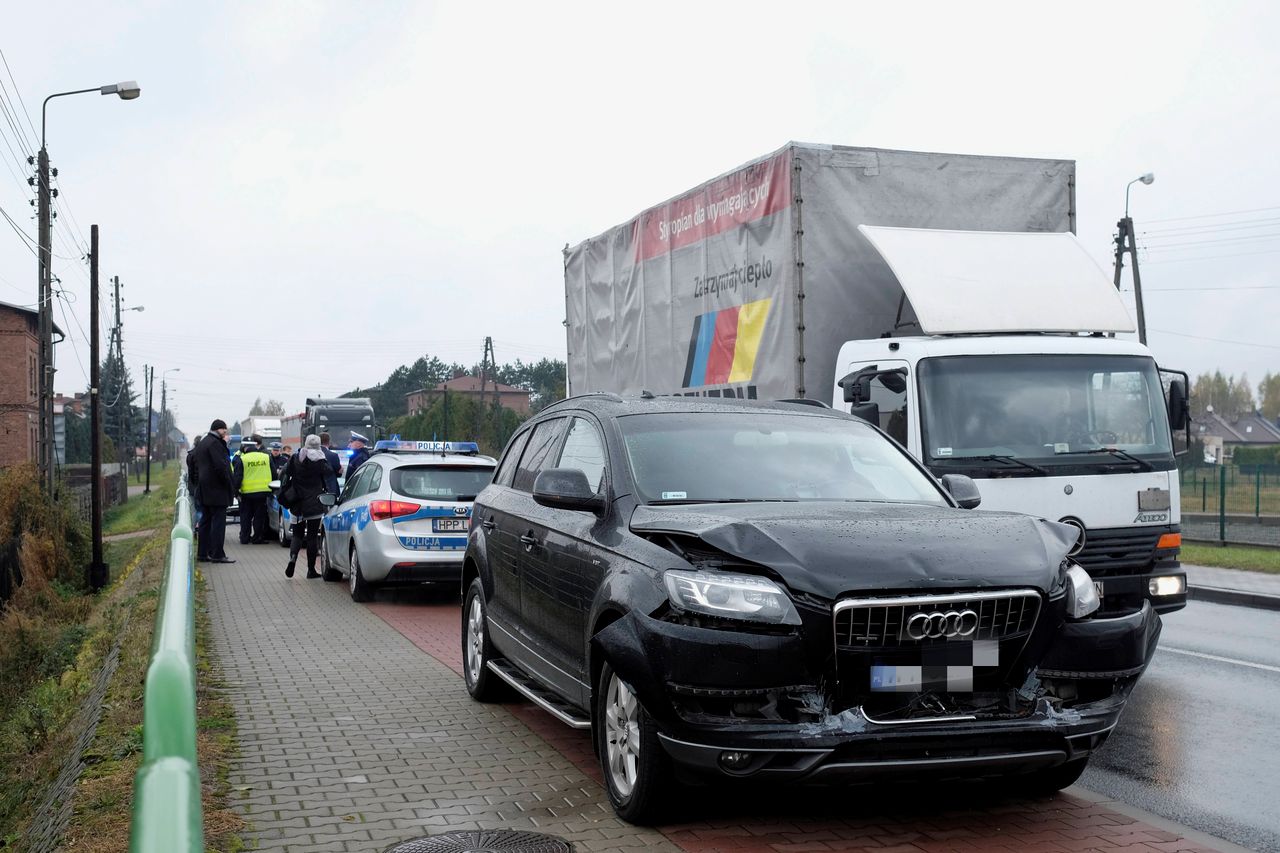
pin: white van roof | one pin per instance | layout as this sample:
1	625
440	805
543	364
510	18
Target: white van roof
971	282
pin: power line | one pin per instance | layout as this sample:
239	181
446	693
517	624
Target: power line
1213	289
1216	340
1246	239
18	92
1244	225
1212	257
1213	215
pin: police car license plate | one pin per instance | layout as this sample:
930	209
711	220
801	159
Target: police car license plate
452	525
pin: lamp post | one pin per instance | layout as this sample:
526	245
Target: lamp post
126	91
1126	241
164	415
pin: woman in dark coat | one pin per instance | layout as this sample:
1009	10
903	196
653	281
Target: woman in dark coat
305	474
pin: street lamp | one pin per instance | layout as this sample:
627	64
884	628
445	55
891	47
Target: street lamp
1147	180
127	91
1126	241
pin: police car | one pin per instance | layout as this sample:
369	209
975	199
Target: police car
404	516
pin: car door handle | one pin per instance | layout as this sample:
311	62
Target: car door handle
529	540
488	523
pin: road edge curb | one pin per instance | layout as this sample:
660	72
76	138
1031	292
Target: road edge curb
1242	598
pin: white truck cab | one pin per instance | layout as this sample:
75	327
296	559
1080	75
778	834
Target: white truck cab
1017	383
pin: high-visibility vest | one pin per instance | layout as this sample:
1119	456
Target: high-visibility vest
257	472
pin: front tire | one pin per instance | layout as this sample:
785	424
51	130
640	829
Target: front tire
282	531
638	775
360	588
477	650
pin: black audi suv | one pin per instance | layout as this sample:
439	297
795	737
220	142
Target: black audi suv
778	591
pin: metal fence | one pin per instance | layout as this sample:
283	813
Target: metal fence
167	814
1231	503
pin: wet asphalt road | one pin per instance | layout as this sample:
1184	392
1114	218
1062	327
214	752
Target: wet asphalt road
1199	742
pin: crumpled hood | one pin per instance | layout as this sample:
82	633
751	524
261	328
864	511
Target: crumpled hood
832	548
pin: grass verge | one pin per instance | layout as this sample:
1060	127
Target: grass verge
1232	557
146	512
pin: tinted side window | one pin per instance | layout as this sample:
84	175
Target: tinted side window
537	453
583	449
507	467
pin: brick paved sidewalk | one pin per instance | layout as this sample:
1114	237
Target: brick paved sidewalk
356	732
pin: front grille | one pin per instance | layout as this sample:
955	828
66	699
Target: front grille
881	623
1118	550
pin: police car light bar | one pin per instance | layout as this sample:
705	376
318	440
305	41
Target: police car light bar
470	447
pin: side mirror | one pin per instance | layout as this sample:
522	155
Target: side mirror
856	386
963	490
566	488
1179	409
328	499
869	412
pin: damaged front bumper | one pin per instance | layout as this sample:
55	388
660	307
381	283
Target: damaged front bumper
1064	711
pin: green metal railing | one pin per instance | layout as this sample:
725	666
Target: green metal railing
167	816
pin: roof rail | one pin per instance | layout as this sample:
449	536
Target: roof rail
608	395
803	401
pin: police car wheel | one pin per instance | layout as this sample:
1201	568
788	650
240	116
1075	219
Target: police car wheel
282	532
360	588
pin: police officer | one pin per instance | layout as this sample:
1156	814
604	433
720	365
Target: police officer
359	453
252	472
277	459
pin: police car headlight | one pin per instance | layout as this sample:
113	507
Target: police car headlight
1082	596
729	596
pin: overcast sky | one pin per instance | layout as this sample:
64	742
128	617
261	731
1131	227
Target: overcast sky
309	194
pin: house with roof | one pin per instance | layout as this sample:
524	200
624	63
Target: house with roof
1245	430
509	396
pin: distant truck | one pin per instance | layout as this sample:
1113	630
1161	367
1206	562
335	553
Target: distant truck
291	430
942	297
265	426
338	416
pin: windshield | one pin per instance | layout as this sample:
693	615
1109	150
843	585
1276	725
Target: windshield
440	482
1049	410
698	457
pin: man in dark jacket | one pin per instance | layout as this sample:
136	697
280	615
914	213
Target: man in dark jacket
213	473
335	463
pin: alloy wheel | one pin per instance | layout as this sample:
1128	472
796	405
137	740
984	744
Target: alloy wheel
475	639
353	572
622	734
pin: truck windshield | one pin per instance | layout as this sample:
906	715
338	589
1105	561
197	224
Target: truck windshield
1000	412
720	457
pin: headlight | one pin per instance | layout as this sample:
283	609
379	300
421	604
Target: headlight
1082	596
731	596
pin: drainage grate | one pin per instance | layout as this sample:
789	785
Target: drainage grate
484	841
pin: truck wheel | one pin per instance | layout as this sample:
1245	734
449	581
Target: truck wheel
360	588
637	771
1050	780
477	651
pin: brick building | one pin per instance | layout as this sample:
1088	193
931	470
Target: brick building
19	357
509	396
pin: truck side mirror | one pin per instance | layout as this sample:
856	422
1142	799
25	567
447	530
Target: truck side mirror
856	386
1179	409
869	412
963	490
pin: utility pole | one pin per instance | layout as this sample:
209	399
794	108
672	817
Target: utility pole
45	456
164	423
1125	242
150	376
99	572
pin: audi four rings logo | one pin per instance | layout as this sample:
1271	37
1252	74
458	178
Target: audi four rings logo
932	626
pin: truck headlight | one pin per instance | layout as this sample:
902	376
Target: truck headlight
1168	585
1082	596
728	596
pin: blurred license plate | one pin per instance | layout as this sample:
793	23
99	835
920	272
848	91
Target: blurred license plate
447	525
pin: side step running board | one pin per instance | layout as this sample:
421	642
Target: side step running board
534	692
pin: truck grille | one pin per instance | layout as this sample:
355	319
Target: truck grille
881	623
1118	550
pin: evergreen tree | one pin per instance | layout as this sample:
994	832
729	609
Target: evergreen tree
122	421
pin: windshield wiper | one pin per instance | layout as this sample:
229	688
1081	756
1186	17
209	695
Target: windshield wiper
1114	451
1006	458
680	501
